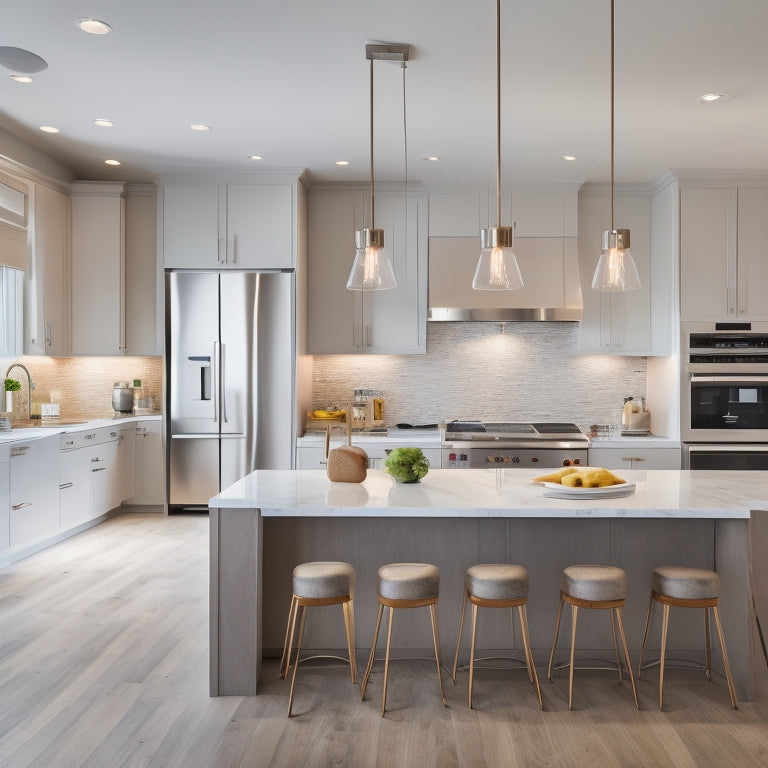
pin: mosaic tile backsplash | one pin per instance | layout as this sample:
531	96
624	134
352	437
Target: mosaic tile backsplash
527	372
83	385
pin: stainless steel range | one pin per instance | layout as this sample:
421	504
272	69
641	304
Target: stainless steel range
508	444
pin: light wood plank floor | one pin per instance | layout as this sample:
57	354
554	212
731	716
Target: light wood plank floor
104	664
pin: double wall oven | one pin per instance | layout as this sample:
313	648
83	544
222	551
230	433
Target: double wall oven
724	395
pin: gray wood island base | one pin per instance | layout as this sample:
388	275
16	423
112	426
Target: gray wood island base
270	521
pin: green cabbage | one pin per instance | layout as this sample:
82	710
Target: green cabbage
408	465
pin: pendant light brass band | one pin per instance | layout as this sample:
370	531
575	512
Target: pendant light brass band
496	237
369	238
615	238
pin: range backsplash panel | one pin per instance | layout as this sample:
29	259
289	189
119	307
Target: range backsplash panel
521	371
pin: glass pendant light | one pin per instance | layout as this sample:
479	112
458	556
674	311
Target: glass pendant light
616	269
497	268
372	269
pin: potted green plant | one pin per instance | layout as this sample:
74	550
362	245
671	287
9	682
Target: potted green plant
11	386
406	465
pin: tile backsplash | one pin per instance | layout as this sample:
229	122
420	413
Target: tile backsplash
518	372
83	385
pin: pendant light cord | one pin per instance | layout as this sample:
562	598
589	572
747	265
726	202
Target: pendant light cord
612	110
498	112
371	119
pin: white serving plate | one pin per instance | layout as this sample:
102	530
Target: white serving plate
558	491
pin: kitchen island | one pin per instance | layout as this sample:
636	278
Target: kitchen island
269	521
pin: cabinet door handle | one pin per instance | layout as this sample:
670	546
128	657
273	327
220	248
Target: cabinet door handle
96	460
222	255
48	334
19	450
633	458
22	505
62	486
98	469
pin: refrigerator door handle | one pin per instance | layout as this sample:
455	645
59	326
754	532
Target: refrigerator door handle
215	379
223	364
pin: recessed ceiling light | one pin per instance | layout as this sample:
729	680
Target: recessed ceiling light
48	129
94	26
113	162
255	157
710	97
433	158
199	127
21	78
102	123
342	162
569	157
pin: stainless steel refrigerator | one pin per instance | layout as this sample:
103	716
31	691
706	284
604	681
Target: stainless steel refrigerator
230	379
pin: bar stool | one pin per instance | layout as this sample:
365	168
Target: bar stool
687	588
595	587
496	586
405	585
318	584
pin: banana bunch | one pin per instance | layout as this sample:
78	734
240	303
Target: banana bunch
592	477
323	414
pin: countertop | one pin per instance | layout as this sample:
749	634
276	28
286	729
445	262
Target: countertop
47	428
495	493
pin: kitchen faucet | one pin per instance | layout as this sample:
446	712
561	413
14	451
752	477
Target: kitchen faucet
29	385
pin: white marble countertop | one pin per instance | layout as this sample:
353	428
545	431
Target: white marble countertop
48	428
494	493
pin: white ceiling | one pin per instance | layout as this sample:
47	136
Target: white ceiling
289	80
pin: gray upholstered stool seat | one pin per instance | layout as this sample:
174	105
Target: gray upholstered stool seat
673	585
594	582
409	581
323	579
593	587
405	585
685	583
498	585
318	584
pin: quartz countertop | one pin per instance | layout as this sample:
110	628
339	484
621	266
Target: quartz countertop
495	493
51	427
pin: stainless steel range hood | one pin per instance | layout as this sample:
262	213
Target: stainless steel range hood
550	270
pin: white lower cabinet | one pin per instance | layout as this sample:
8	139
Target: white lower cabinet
126	462
635	458
105	480
34	489
150	468
5	486
74	488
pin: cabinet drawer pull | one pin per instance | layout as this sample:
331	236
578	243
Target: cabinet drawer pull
96	460
633	458
62	486
89	437
19	450
98	469
113	434
22	505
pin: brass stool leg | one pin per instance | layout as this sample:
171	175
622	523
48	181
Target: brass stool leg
285	659
523	628
574	615
664	627
626	655
349	625
296	663
436	638
708	645
615	644
369	666
458	642
645	635
529	653
554	642
728	677
386	662
472	655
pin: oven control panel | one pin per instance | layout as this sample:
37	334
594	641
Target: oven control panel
480	458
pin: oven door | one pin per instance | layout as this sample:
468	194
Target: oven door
725	456
725	408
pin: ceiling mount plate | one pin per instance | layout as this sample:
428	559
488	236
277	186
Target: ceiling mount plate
387	51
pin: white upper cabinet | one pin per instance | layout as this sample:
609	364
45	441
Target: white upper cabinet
621	322
383	322
114	269
723	264
47	321
98	268
235	226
